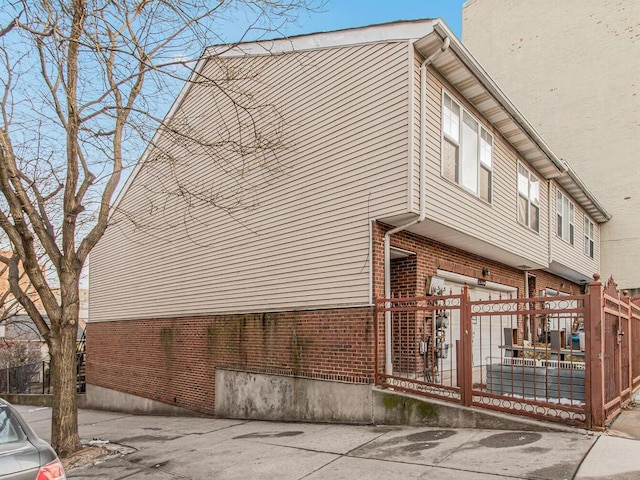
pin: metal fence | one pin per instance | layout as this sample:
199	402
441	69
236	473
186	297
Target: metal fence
28	378
420	356
617	338
573	359
35	378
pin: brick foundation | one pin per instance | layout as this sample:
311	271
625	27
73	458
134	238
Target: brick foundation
174	360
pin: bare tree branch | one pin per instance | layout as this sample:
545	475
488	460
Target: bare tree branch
85	86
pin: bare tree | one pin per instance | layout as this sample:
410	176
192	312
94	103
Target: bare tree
84	83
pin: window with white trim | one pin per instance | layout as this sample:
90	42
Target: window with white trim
589	237
528	198
564	218
467	149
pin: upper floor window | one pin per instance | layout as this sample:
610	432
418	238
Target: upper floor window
528	198
589	237
467	150
564	219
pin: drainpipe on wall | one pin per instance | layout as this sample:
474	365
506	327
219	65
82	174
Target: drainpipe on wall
550	222
388	364
526	295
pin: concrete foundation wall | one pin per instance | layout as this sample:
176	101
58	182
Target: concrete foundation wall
273	397
173	361
100	398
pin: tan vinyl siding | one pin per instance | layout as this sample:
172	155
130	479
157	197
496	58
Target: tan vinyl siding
563	252
455	207
275	231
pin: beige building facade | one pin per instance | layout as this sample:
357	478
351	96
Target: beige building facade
573	68
394	167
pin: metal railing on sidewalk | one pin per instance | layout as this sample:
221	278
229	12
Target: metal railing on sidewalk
34	378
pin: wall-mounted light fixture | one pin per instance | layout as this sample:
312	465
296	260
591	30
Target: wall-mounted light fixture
485	272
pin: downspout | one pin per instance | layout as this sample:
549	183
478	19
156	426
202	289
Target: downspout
526	295
551	222
388	365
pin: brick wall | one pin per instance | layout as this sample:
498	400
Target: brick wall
404	284
432	255
404	273
174	360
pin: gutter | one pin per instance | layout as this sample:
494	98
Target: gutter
550	222
485	79
481	74
457	47
574	176
388	344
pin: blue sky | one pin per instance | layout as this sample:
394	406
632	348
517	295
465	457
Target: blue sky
338	14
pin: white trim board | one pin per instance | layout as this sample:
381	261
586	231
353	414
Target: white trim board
473	282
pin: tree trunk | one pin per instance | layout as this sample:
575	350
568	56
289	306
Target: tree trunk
64	421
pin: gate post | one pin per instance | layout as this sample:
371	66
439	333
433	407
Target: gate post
467	351
628	330
594	336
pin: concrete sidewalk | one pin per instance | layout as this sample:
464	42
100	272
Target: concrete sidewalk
196	448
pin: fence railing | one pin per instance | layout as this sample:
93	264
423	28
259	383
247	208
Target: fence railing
573	359
35	377
28	378
615	336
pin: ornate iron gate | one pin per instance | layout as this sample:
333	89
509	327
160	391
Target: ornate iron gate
526	356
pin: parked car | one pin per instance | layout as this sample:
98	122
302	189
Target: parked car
24	455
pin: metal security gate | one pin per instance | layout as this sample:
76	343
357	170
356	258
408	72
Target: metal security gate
424	353
526	356
620	324
540	368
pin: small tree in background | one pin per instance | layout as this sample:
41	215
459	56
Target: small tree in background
83	85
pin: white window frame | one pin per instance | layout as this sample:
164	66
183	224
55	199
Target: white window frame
589	237
528	196
565	218
484	145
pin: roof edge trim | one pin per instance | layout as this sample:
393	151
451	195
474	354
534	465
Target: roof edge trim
388	32
483	76
478	70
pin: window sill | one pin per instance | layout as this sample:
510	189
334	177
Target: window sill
471	193
537	232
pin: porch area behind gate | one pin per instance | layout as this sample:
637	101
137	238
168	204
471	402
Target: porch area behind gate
570	359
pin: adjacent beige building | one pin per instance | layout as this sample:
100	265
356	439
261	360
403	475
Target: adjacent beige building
573	68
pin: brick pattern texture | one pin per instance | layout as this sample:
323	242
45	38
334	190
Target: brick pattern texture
174	360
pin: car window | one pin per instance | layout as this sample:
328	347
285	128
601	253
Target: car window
10	429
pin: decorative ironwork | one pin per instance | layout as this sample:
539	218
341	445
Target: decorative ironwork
416	386
532	408
492	363
530	356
